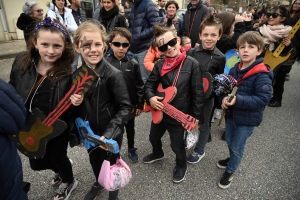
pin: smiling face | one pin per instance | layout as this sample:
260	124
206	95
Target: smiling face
108	4
248	53
37	12
49	45
171	52
171	10
209	37
275	21
296	5
91	47
60	4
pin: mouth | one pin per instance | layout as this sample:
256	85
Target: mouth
93	56
51	57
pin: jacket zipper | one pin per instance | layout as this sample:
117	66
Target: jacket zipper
34	81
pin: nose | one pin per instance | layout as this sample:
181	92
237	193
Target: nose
50	50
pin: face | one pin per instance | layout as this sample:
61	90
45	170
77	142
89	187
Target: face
37	12
60	4
296	5
186	42
77	2
126	4
117	2
91	48
194	2
162	3
108	4
171	10
50	46
119	46
172	51
209	37
248	53
273	20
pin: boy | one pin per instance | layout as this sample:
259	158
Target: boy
183	72
119	42
246	108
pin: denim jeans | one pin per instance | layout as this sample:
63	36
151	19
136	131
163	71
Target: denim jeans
176	136
236	137
204	127
140	58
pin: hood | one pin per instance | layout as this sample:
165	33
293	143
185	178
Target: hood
190	7
24	21
12	110
55	9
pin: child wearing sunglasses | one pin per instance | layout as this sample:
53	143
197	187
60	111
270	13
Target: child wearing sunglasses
117	56
182	71
211	61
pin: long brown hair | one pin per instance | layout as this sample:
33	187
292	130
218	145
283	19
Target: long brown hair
294	14
62	66
227	19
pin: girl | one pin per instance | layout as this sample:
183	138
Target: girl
171	9
32	14
47	62
110	17
183	72
108	98
272	33
212	61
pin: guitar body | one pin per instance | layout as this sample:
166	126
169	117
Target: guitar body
274	62
32	140
90	140
168	94
207	81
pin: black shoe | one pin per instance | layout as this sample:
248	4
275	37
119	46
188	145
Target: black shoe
151	158
133	155
222	164
223	136
209	138
226	179
274	104
94	192
179	173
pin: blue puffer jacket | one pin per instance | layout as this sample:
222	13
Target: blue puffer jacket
253	94
142	18
13	116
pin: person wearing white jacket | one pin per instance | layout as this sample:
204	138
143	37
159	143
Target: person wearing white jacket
58	10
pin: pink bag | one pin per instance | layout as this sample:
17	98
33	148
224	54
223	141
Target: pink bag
116	176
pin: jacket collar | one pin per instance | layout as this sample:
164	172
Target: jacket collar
101	67
216	51
190	6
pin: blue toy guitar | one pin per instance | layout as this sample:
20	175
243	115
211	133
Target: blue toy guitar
90	140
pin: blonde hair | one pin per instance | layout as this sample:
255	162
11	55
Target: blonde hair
90	26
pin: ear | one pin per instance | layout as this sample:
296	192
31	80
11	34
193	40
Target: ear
259	52
220	36
282	19
110	44
34	43
200	36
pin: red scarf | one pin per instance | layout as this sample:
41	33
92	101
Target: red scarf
172	63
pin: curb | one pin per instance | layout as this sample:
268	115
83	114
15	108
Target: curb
9	55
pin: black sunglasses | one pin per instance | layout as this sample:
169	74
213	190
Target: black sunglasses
118	44
274	15
171	43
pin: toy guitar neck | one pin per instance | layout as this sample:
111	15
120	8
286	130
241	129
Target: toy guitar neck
229	98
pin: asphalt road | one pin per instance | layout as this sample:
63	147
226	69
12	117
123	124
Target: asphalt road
270	168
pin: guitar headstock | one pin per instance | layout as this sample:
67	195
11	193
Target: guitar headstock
84	77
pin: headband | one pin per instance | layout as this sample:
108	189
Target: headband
49	22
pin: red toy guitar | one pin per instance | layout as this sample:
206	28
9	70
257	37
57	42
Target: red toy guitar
38	129
187	121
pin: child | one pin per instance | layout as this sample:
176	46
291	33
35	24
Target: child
211	60
186	42
119	43
108	98
189	98
50	53
246	108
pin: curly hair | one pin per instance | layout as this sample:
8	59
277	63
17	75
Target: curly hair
62	66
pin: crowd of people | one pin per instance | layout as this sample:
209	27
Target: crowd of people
133	55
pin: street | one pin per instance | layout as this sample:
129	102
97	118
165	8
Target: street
270	168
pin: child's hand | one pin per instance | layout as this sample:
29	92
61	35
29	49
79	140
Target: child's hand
286	42
238	18
247	18
76	99
155	103
102	147
138	112
225	102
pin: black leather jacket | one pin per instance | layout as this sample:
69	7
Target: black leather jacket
189	98
131	71
23	82
109	101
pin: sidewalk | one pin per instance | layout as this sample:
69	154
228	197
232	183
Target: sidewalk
9	49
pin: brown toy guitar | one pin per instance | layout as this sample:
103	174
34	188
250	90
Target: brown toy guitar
273	59
39	129
187	121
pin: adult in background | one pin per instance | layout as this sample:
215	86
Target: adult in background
79	16
110	17
262	11
32	14
142	18
97	10
162	4
193	17
171	9
127	5
13	115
